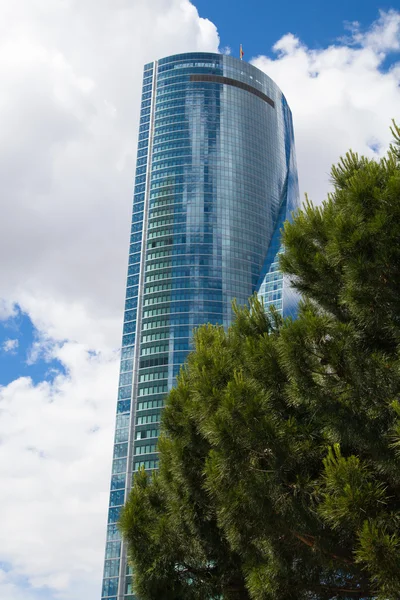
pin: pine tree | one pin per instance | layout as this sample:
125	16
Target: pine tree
280	452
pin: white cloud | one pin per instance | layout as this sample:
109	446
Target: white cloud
383	36
8	309
10	346
340	97
55	462
72	74
226	50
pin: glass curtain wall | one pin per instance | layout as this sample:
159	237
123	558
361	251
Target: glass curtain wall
215	179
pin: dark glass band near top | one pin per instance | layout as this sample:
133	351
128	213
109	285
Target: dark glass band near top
235	83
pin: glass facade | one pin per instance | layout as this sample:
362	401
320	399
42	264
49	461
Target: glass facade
215	179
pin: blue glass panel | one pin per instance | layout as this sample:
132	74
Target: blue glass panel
113	533
113	517
123	406
120	450
117	498
124	392
110	587
118	482
128	339
111	568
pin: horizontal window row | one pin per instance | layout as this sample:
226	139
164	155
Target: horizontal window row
174	168
160	233
175	308
162	212
253	244
173	119
174	319
198	274
179	348
168	241
153	349
152	337
153	376
212	211
176	296
156	311
186	102
154	324
153	389
149	289
178	70
206	251
156	403
177	129
158	254
153	362
201	283
147	434
163	335
148	449
172	142
146	464
146	419
176	218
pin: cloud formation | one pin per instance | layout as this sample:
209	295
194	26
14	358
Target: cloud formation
71	76
10	345
341	96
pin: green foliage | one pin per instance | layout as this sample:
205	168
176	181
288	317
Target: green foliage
280	455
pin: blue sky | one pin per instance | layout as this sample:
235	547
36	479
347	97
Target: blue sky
258	24
18	337
71	76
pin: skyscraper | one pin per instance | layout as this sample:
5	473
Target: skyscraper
215	179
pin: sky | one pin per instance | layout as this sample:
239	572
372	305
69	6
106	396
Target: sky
69	104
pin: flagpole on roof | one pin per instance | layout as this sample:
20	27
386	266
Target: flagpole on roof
241	53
